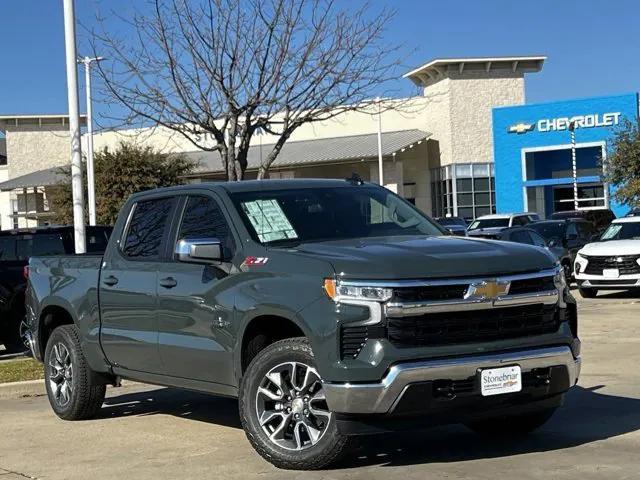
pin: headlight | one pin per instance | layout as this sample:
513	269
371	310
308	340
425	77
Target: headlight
339	292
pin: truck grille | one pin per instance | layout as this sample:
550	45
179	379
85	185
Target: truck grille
472	326
626	264
435	293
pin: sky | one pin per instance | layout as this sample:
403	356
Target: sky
592	46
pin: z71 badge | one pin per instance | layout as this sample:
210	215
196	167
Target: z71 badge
254	261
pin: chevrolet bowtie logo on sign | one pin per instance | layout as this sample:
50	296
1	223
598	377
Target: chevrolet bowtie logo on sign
488	290
520	128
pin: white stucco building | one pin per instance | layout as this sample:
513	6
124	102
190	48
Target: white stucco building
437	149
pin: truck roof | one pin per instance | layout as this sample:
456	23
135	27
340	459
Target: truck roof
256	185
262	185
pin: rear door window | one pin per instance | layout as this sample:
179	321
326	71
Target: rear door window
7	249
147	229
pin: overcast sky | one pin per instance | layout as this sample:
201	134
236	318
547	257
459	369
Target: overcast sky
592	45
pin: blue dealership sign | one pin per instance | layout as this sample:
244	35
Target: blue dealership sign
532	149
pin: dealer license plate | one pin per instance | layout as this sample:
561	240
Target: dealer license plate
495	381
610	273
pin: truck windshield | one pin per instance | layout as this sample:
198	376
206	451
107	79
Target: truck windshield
622	231
489	223
322	214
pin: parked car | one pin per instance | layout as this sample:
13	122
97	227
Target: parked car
16	247
308	300
494	223
600	218
613	263
566	237
454	225
528	236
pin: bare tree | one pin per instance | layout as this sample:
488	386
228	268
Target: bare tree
226	69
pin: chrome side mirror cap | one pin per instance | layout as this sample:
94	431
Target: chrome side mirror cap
198	250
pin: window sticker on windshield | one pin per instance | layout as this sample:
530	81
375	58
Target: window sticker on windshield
268	220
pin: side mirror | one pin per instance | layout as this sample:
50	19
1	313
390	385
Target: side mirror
199	250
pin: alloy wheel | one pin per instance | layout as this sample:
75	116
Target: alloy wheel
291	406
61	374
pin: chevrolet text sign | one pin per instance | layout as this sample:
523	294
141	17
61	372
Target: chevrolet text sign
562	123
581	121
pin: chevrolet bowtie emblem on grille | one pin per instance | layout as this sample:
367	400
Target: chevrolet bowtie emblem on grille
488	289
520	128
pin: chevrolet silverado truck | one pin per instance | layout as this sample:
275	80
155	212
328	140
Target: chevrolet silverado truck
329	308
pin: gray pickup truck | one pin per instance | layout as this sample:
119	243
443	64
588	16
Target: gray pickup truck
330	308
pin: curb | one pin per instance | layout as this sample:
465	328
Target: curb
28	388
36	388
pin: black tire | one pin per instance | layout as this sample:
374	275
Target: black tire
330	447
588	292
512	425
86	395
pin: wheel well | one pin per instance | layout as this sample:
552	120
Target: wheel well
51	318
262	332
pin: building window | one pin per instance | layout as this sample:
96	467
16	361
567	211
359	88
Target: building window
473	195
442	191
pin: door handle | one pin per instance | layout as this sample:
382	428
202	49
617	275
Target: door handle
110	281
168	282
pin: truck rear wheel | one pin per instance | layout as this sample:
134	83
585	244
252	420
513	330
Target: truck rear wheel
284	412
512	425
72	390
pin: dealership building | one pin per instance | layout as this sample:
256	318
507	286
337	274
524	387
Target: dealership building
466	145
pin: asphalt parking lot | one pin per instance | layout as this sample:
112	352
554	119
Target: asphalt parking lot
156	432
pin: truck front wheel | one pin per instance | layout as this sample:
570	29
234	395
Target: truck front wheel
72	390
284	411
511	425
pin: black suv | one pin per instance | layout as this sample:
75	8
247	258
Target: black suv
569	235
16	246
600	219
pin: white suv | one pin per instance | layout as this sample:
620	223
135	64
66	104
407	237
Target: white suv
613	263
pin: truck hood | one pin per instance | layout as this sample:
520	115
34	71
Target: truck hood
612	247
427	257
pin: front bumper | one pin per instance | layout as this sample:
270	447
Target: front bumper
383	397
604	283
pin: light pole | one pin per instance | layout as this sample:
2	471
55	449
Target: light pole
572	131
91	184
74	126
380	161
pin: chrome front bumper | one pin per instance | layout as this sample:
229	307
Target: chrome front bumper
382	397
